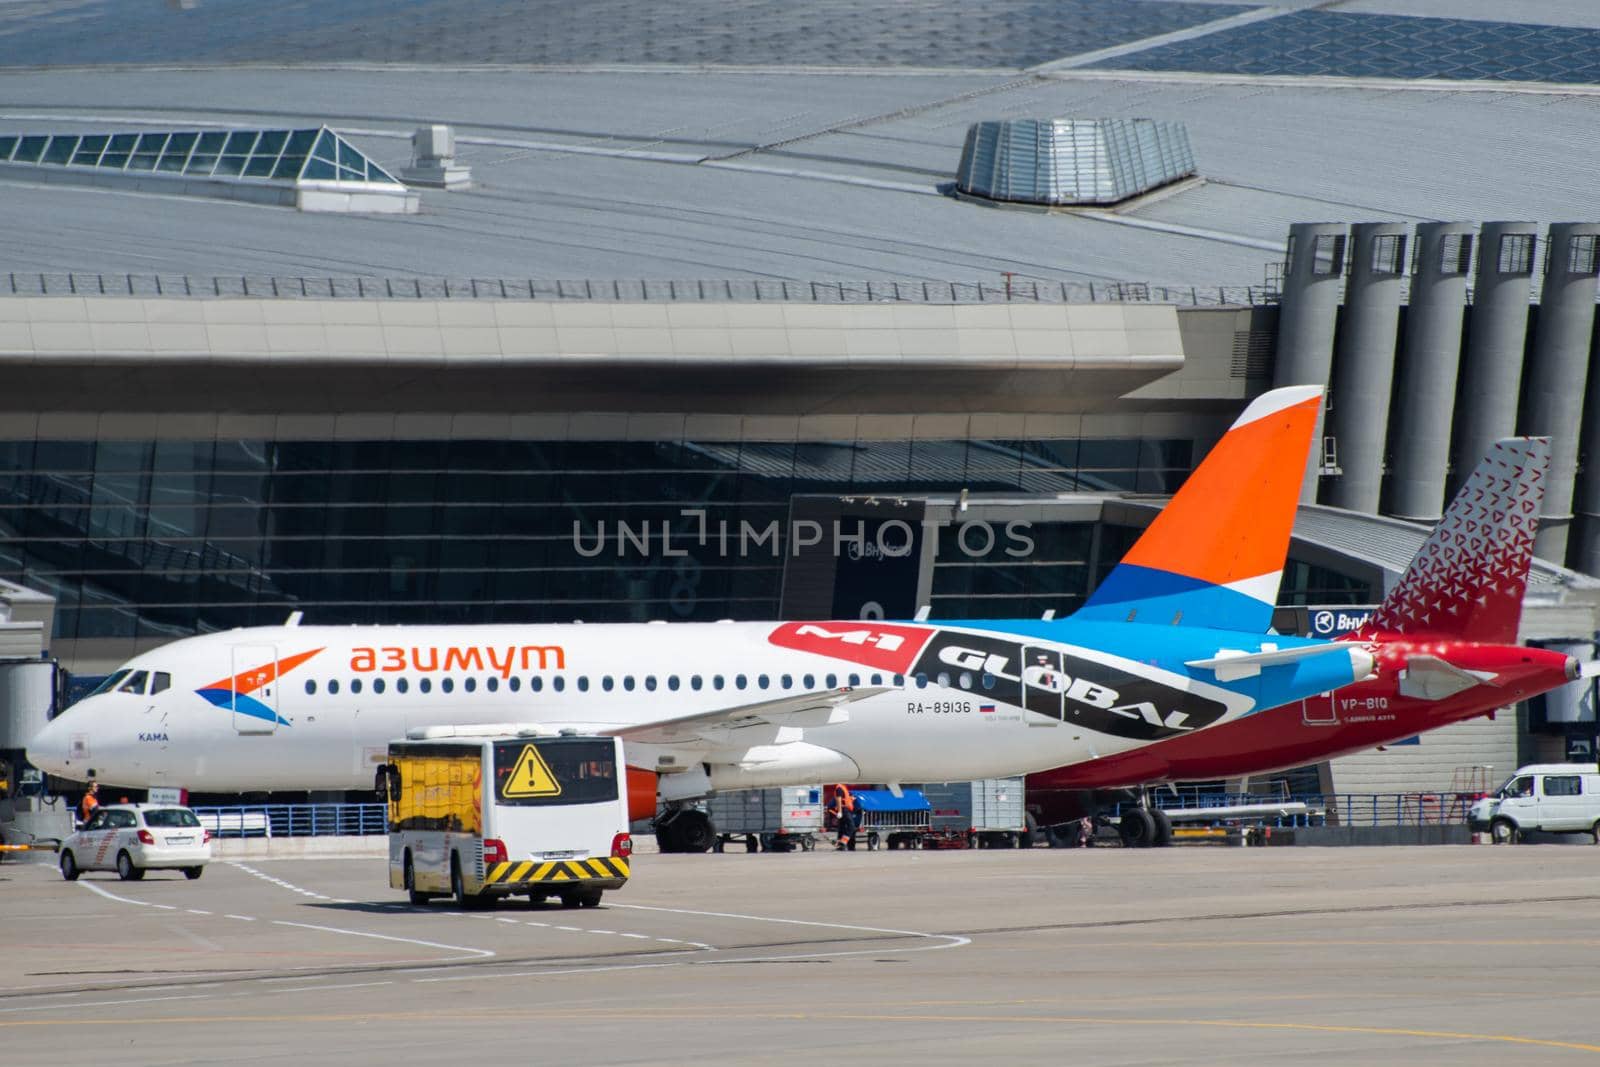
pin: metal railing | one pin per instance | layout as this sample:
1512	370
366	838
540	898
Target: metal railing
748	290
1345	809
294	820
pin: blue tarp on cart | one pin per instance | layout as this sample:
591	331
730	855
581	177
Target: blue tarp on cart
882	800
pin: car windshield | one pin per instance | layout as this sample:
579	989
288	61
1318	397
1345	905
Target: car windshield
168	818
111	682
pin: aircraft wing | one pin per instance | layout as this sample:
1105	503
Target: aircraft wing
755	724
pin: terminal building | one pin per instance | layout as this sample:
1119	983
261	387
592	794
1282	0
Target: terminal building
598	333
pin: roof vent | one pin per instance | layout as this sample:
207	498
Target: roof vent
312	169
433	160
1068	162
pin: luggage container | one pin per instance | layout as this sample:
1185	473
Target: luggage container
897	821
769	820
989	811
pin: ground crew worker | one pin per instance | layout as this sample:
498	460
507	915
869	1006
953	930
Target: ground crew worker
845	819
90	801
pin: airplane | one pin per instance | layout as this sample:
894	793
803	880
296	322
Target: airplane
1172	642
1445	641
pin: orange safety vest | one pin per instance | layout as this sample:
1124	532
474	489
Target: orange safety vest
86	807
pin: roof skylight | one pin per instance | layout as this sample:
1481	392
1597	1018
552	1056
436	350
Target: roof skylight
312	169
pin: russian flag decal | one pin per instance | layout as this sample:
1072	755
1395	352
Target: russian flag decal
985	707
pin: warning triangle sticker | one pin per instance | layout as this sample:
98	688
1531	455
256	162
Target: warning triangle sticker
531	777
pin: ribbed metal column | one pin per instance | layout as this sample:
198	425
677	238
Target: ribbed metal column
1497	331
1363	374
1429	363
1558	371
1307	317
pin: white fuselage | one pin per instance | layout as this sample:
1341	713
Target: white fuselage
291	708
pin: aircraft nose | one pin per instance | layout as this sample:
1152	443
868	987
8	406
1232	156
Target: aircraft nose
47	749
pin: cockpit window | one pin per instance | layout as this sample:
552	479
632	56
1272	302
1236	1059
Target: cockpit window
160	683
135	682
111	682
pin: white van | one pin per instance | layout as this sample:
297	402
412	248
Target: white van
1557	798
479	813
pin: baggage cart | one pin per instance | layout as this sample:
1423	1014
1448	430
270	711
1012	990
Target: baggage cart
896	821
768	820
988	812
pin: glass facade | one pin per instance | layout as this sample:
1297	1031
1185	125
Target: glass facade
167	538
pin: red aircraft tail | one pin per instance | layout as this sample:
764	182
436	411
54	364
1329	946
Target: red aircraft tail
1468	578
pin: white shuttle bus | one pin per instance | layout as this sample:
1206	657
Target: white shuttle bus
478	813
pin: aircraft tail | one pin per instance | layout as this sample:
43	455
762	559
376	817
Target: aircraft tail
1467	579
1214	556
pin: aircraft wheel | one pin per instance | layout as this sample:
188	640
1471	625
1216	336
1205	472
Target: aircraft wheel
1137	828
694	831
1163	834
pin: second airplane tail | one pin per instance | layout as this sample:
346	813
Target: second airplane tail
1467	579
1214	556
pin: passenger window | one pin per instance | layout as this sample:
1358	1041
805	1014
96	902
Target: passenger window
716	681
855	680
922	680
1563	785
966	680
763	681
558	683
583	683
515	683
650	682
877	679
448	685
988	680
788	682
535	683
470	684
694	682
355	685
605	683
135	682
425	684
739	681
809	681
401	684
333	687
627	682
1520	787
833	681
944	679
160	683
122	820
493	683
311	688
377	685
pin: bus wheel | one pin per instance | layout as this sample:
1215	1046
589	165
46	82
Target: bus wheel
410	878
458	888
590	898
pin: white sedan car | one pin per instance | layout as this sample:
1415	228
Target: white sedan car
133	838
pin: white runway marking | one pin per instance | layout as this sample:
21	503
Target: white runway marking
264	876
471	953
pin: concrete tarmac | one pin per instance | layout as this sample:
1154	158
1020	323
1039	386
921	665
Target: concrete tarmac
1446	955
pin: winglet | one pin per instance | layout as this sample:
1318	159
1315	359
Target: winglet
1214	556
1467	579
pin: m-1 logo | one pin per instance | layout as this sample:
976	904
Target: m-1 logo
880	645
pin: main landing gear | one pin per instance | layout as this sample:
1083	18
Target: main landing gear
684	830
